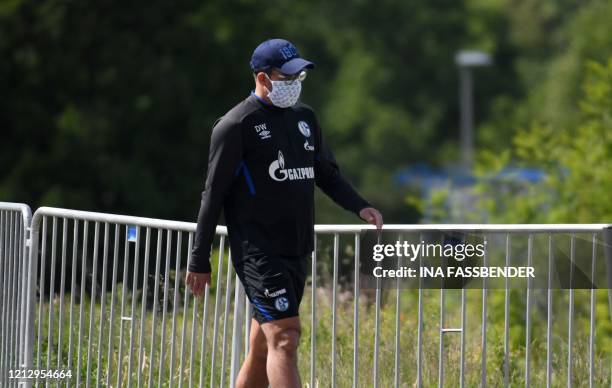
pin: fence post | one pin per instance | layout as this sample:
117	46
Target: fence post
27	244
239	295
607	235
33	275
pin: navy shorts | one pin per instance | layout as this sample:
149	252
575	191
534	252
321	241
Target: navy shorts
274	284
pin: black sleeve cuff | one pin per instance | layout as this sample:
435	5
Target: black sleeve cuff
360	206
199	265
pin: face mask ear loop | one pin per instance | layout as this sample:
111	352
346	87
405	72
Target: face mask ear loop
272	83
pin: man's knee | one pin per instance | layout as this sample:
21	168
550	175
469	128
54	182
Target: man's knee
259	350
285	340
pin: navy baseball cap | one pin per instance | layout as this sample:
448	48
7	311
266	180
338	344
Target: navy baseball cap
280	54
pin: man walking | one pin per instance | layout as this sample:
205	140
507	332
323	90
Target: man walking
266	155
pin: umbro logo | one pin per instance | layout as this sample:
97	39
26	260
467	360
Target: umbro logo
262	131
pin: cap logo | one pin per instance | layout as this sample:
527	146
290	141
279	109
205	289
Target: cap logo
288	52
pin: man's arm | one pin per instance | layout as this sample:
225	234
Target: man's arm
223	160
331	181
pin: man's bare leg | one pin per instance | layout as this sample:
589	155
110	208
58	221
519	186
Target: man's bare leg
283	336
253	371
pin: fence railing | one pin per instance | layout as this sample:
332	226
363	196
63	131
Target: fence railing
102	297
14	253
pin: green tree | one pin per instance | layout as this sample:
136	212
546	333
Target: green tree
577	162
552	40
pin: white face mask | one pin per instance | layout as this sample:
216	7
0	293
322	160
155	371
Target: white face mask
285	95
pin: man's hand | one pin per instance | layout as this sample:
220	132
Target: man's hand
372	216
197	281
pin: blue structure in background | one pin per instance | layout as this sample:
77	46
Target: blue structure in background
460	184
424	176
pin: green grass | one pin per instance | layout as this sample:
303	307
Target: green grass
430	350
193	366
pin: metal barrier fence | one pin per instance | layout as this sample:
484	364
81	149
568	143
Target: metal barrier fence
14	227
110	308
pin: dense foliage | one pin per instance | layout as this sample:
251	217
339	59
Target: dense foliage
108	106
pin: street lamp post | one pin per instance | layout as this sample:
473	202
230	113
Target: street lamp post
466	60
